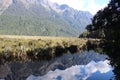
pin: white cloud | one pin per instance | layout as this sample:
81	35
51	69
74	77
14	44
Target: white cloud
85	5
78	72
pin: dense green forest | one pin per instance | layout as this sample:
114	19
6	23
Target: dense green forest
33	25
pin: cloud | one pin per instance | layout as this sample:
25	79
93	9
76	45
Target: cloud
78	72
86	5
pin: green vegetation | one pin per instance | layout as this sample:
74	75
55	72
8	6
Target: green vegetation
106	22
84	34
107	25
29	25
38	20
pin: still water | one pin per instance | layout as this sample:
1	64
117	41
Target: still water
79	66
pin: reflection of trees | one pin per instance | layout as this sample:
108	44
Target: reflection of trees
113	51
107	22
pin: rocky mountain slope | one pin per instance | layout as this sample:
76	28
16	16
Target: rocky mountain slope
41	17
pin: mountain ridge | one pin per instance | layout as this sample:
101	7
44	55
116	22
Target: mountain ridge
42	17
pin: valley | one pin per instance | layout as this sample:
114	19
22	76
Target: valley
46	40
41	18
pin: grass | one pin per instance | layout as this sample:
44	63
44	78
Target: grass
38	41
40	46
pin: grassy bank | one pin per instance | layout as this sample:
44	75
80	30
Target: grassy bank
38	47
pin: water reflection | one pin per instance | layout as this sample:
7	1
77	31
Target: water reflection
85	66
92	71
67	67
112	49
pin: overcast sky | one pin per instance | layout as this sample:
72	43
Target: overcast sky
86	5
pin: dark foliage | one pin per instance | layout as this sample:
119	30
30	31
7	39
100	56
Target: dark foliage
107	22
73	49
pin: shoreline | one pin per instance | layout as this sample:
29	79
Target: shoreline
38	47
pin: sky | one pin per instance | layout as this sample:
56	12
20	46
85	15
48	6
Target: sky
85	5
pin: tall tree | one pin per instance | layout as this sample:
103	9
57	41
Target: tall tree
107	21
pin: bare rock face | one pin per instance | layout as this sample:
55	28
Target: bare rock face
4	4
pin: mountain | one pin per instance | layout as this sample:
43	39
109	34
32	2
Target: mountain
41	17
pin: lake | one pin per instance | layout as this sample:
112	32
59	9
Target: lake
80	66
88	65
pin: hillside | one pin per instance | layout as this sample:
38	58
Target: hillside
41	17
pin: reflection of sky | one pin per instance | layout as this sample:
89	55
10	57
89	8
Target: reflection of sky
79	72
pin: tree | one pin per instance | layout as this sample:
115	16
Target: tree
107	21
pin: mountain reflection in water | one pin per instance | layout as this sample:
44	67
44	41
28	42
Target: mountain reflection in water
79	66
101	70
97	69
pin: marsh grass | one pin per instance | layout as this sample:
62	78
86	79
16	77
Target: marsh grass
38	47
